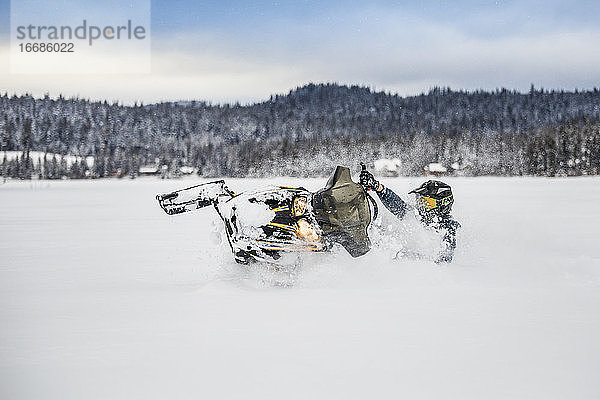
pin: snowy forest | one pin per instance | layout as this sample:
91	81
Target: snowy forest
305	133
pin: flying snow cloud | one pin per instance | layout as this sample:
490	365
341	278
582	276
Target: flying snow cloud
242	51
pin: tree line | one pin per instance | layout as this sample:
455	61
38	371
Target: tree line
307	131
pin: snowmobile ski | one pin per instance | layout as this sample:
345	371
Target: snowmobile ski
193	197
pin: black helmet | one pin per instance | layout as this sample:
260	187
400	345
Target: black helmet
434	197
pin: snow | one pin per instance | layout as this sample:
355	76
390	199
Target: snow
435	168
387	166
103	296
38	156
149	169
249	215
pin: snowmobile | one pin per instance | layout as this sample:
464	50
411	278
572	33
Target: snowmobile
267	224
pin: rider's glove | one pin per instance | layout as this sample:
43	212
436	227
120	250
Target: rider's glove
368	181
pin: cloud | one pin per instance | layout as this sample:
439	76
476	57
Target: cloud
389	50
175	76
403	53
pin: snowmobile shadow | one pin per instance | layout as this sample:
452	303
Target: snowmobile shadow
306	271
264	275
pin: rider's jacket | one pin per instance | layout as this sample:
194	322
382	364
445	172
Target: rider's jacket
445	225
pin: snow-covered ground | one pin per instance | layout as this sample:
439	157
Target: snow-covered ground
103	296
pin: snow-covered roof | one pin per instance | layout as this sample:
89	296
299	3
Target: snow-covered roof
186	169
436	167
387	164
148	169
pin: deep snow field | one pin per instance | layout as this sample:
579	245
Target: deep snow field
103	296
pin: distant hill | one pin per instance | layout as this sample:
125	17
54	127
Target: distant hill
313	127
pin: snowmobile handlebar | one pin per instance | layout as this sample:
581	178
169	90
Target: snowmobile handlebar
375	206
363	167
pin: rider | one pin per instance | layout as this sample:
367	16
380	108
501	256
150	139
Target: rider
434	201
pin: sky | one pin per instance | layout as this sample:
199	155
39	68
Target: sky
242	51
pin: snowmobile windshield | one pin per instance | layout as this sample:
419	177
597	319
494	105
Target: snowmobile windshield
342	211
